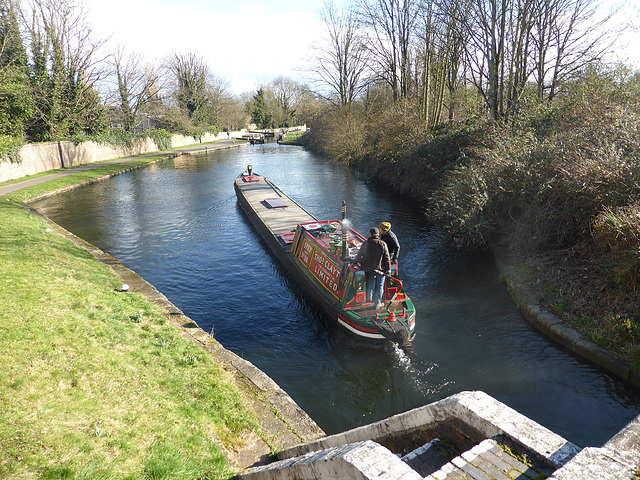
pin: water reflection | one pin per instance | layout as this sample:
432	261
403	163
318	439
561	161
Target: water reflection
178	225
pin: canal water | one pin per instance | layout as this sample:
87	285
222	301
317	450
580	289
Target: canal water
178	225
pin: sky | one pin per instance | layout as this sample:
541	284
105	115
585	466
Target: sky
247	43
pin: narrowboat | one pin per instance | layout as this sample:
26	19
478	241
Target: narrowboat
318	254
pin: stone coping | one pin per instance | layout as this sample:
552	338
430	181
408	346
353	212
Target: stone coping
618	459
551	326
475	408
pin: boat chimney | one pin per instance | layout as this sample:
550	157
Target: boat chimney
345	232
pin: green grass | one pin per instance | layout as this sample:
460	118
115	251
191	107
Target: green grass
95	383
76	178
293	138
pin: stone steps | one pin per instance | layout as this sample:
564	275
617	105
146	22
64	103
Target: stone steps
427	443
431	457
486	461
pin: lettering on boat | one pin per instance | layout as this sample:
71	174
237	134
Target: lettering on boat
321	267
305	252
325	271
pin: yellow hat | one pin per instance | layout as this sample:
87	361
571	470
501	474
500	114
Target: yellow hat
385	227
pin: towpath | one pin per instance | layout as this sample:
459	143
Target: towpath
221	145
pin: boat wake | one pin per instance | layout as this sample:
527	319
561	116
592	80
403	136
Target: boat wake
401	356
421	375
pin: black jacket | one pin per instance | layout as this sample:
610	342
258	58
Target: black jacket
392	244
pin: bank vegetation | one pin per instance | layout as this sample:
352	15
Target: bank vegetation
505	121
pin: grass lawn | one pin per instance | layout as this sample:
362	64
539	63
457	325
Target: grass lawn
292	138
95	383
77	178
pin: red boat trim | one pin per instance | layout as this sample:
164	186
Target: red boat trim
287	238
251	178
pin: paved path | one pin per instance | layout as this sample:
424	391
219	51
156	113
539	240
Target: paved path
221	145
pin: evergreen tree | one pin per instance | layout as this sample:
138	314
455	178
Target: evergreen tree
12	51
260	114
16	104
63	72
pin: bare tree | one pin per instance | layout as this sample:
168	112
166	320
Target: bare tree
487	33
569	35
427	38
134	85
288	95
219	101
453	51
440	46
339	61
519	53
390	25
233	114
512	42
201	94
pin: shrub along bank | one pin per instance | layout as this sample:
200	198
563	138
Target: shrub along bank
96	383
560	188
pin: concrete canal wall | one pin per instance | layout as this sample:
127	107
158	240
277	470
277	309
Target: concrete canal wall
43	157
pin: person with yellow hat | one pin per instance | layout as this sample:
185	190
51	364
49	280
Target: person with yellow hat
391	240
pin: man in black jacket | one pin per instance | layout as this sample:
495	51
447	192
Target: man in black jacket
388	237
375	261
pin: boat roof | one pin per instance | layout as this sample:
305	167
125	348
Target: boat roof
328	232
276	210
